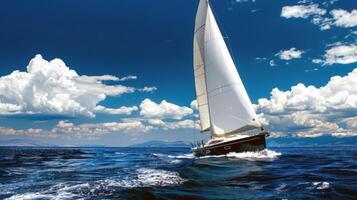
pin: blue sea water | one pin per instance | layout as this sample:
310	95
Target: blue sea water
174	173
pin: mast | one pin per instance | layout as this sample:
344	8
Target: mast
223	102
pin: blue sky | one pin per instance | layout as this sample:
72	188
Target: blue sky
274	44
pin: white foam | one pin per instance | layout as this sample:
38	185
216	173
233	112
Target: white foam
153	177
40	195
176	161
264	155
321	185
29	196
183	156
142	178
281	188
156	155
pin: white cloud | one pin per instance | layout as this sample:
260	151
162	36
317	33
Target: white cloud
32	132
95	130
339	17
339	54
352	123
194	105
343	18
301	11
290	54
156	122
8	131
67	129
148	89
317	61
104	78
118	111
310	111
183	124
311	70
53	88
150	109
130	77
272	63
324	22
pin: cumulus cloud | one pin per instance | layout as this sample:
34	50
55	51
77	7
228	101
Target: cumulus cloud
183	124
97	129
301	11
68	129
343	18
51	87
150	109
290	54
318	16
310	112
325	23
31	132
194	105
85	131
339	54
118	111
352	123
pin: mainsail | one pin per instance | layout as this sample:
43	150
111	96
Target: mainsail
223	102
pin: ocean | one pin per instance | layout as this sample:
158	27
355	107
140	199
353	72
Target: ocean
174	173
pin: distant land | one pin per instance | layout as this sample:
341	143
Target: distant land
318	141
159	143
23	143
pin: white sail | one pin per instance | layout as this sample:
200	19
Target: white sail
230	109
199	68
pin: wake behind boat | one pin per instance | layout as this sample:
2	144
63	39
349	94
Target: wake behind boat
224	106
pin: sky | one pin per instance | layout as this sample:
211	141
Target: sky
117	73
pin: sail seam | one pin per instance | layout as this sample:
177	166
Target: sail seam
224	86
199	28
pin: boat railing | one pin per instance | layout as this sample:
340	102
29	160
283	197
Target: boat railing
198	144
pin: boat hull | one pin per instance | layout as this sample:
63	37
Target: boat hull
249	144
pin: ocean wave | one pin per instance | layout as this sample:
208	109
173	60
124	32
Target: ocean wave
183	156
264	155
41	195
321	185
152	177
156	155
176	161
30	196
143	178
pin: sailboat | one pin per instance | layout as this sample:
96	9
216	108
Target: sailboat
224	107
